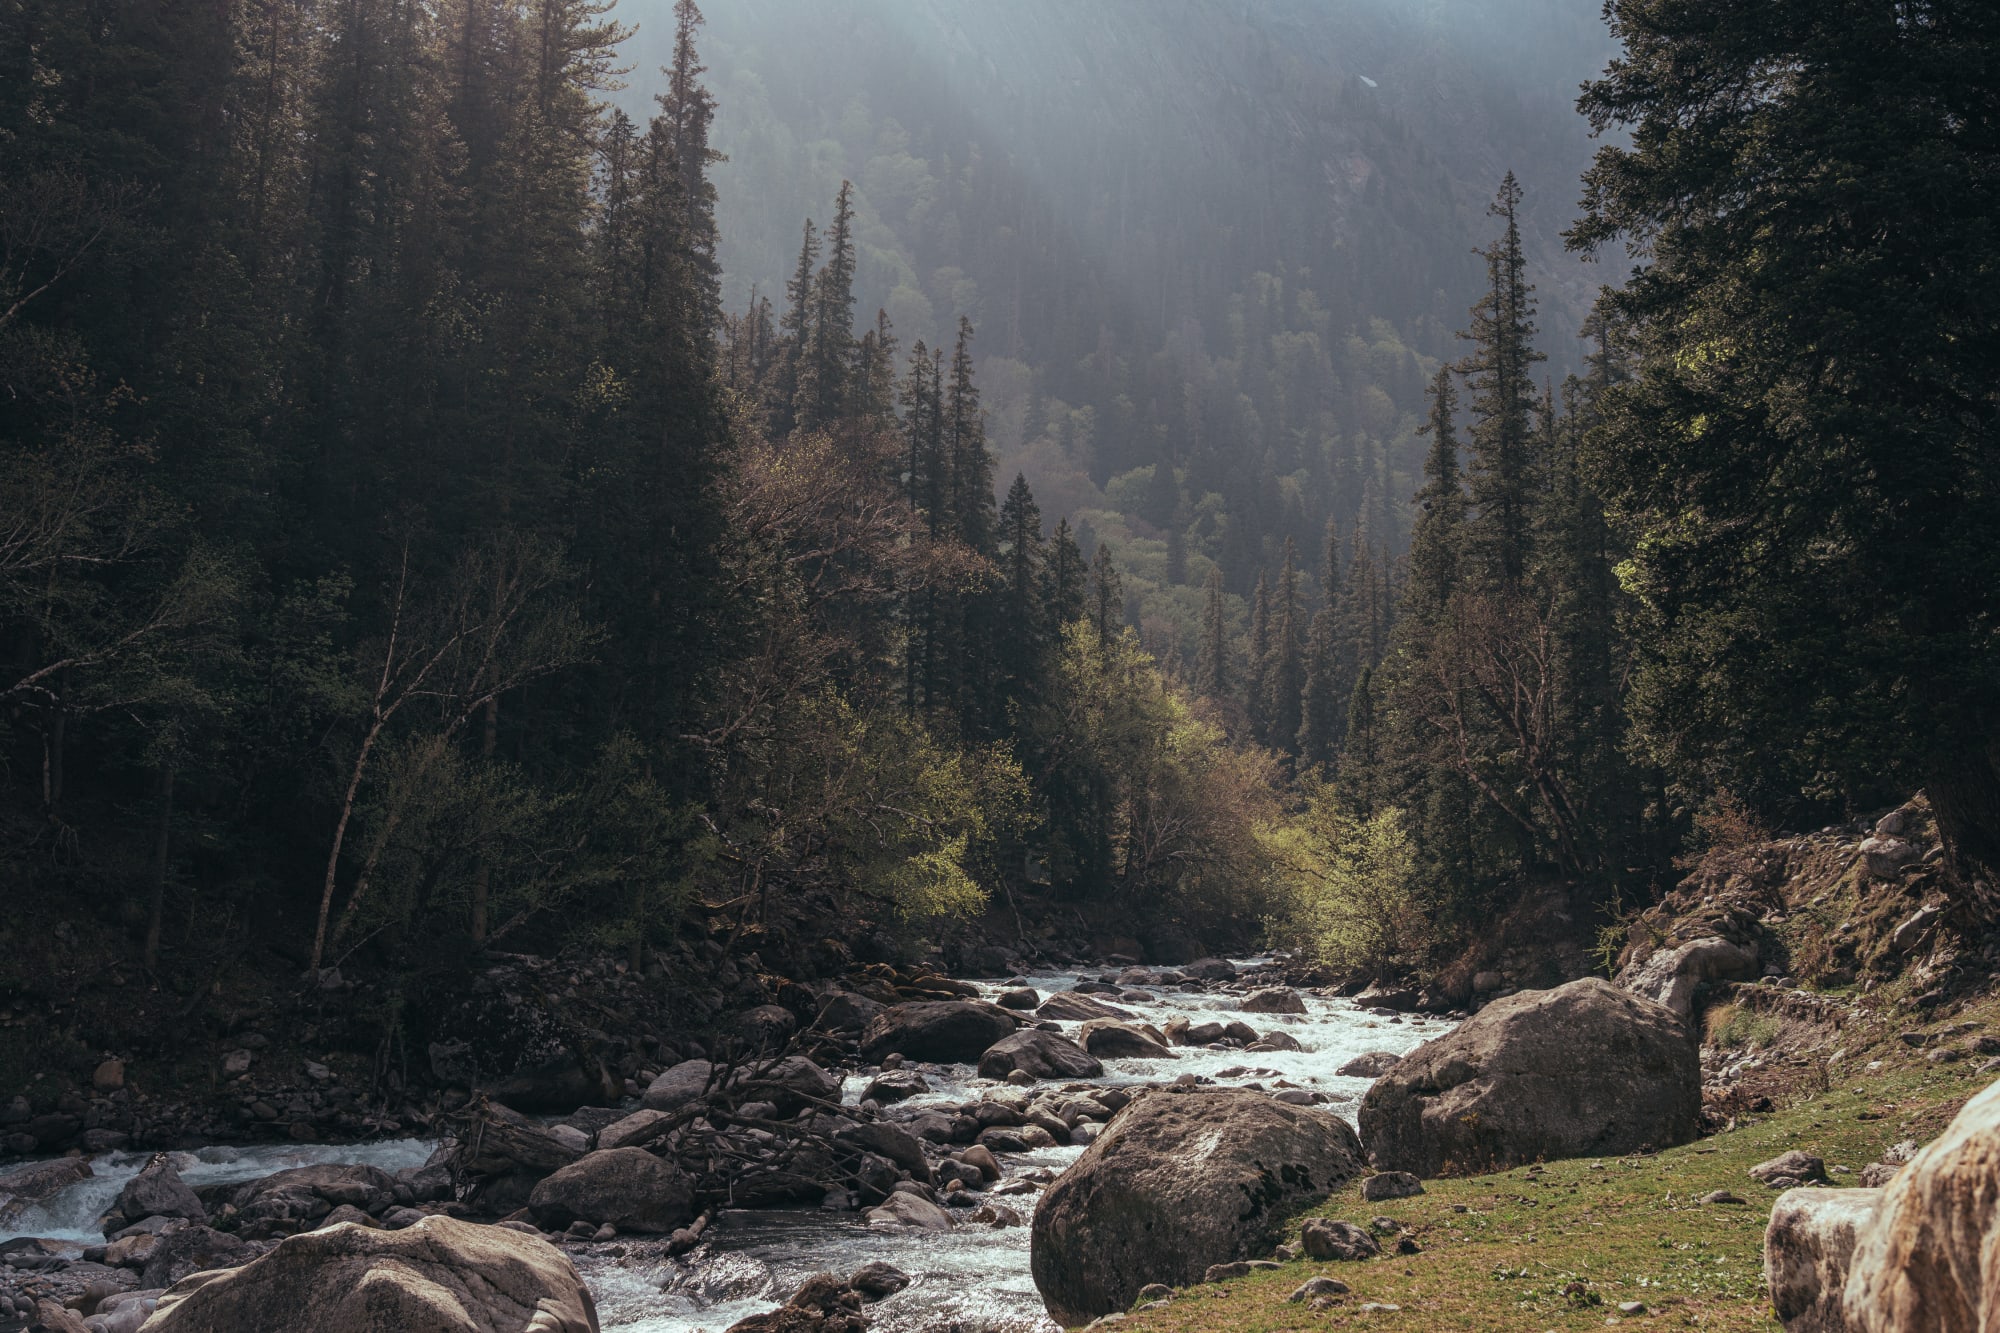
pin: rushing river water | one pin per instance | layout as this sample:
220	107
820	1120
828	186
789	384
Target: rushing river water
974	1278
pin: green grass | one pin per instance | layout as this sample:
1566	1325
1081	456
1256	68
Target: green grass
1563	1247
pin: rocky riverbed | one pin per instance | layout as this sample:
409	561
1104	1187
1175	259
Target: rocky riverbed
969	1259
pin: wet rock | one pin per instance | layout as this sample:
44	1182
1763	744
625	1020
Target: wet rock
895	1085
1024	997
824	1304
1372	1064
1038	1054
157	1191
441	1276
944	1031
1276	1000
1111	1039
1179	1181
1391	1185
1401	999
1331	1238
1210	969
791	1084
909	1210
1583	1070
890	1141
627	1187
878	1280
1275	1041
37	1181
1073	1007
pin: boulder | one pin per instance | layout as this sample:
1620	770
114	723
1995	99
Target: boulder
1183	1033
1275	1041
909	1210
627	1187
38	1181
1884	856
1112	1039
635	1130
1584	1070
192	1249
1039	1055
441	1276
1671	977
280	1203
1071	1007
822	1304
1330	1238
1930	1259
1808	1249
1391	1185
1024	997
791	1085
893	1085
877	1280
1275	1000
844	1009
1402	999
1182	1179
1371	1064
157	1191
1210	969
558	1084
685	1082
900	1146
943	1031
1798	1167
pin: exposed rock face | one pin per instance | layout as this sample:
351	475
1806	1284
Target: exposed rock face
1672	976
1931	1257
1039	1055
441	1276
1179	1181
944	1031
1808	1249
192	1249
1585	1069
627	1187
1070	1007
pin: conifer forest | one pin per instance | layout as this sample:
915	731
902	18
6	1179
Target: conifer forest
547	542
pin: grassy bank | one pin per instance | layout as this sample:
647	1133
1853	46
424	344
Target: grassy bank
1563	1246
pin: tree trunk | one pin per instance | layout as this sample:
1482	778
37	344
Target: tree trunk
162	846
482	882
1964	791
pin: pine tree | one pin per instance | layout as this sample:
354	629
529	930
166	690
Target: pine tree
1323	706
1257	689
1063	579
1286	680
826	355
1212	664
796	330
1440	525
965	442
1107	596
1024	638
1503	398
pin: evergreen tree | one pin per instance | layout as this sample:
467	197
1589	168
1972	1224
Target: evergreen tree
1212	664
1107	596
1439	534
1503	398
1257	689
1024	637
1063	579
827	349
1286	677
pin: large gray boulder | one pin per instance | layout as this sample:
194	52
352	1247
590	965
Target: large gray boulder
627	1187
1808	1249
1922	1252
157	1191
441	1276
791	1084
674	1088
1672	976
941	1031
1583	1070
1071	1007
1113	1040
1181	1179
1039	1055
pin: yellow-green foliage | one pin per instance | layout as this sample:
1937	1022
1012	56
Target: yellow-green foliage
1732	1026
1349	886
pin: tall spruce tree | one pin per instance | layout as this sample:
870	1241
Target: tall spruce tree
1499	371
1107	596
1286	679
1212	663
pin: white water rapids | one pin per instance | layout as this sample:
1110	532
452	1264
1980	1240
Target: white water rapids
973	1279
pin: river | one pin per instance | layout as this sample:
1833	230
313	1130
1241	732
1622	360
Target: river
974	1279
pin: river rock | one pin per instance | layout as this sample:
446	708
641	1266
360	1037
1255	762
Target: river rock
627	1187
876	1280
440	1276
1180	1180
157	1191
635	1130
1584	1070
674	1088
1275	1041
1071	1007
1210	969
895	1085
943	1031
842	1010
36	1182
1372	1064
909	1210
1024	997
1808	1250
791	1085
823	1304
1275	1000
1930	1258
1401	999
1039	1055
191	1249
1183	1033
1673	976
900	1146
1112	1039
558	1084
